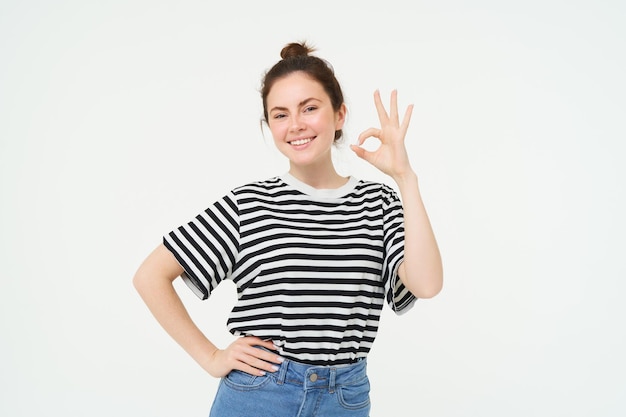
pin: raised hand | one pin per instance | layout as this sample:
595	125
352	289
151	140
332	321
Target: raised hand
391	156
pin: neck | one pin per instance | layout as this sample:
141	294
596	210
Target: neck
320	177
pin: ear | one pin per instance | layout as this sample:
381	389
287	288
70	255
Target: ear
340	116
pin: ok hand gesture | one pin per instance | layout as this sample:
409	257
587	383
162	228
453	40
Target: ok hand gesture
391	156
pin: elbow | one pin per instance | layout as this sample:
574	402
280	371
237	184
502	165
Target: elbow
142	281
138	281
157	272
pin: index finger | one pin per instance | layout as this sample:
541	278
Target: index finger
262	351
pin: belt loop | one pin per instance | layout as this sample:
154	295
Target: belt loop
331	382
282	372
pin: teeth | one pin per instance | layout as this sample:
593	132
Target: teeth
300	141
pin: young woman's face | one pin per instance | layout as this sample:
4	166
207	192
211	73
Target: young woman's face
302	119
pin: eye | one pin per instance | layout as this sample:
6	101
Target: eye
309	109
278	116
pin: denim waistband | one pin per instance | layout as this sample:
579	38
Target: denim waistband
320	377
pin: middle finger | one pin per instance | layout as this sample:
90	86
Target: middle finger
382	113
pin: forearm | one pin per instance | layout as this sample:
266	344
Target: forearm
422	270
166	306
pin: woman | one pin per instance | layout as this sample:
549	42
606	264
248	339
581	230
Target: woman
314	256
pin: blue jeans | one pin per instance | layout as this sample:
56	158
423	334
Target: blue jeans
295	390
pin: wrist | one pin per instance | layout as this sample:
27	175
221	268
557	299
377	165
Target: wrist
406	178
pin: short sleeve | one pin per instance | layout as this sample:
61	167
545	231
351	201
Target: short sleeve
399	298
207	246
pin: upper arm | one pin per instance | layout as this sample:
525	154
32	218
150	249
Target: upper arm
160	264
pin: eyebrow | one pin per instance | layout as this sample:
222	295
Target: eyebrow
302	103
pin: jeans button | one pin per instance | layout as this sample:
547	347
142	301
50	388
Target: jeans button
313	377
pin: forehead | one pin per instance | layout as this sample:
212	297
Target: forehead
294	88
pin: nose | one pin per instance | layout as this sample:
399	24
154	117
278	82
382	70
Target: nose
296	123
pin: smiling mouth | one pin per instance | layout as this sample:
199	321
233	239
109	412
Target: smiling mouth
299	142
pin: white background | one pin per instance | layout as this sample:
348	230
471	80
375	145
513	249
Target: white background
120	120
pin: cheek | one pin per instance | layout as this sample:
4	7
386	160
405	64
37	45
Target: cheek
278	130
325	124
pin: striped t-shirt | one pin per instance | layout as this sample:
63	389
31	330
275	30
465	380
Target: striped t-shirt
312	267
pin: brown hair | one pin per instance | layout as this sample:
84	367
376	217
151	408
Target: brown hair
296	57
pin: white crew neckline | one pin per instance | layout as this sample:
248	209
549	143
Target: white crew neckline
319	192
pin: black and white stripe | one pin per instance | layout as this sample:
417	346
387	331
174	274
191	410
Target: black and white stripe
312	267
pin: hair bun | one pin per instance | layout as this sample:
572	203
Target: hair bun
296	49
